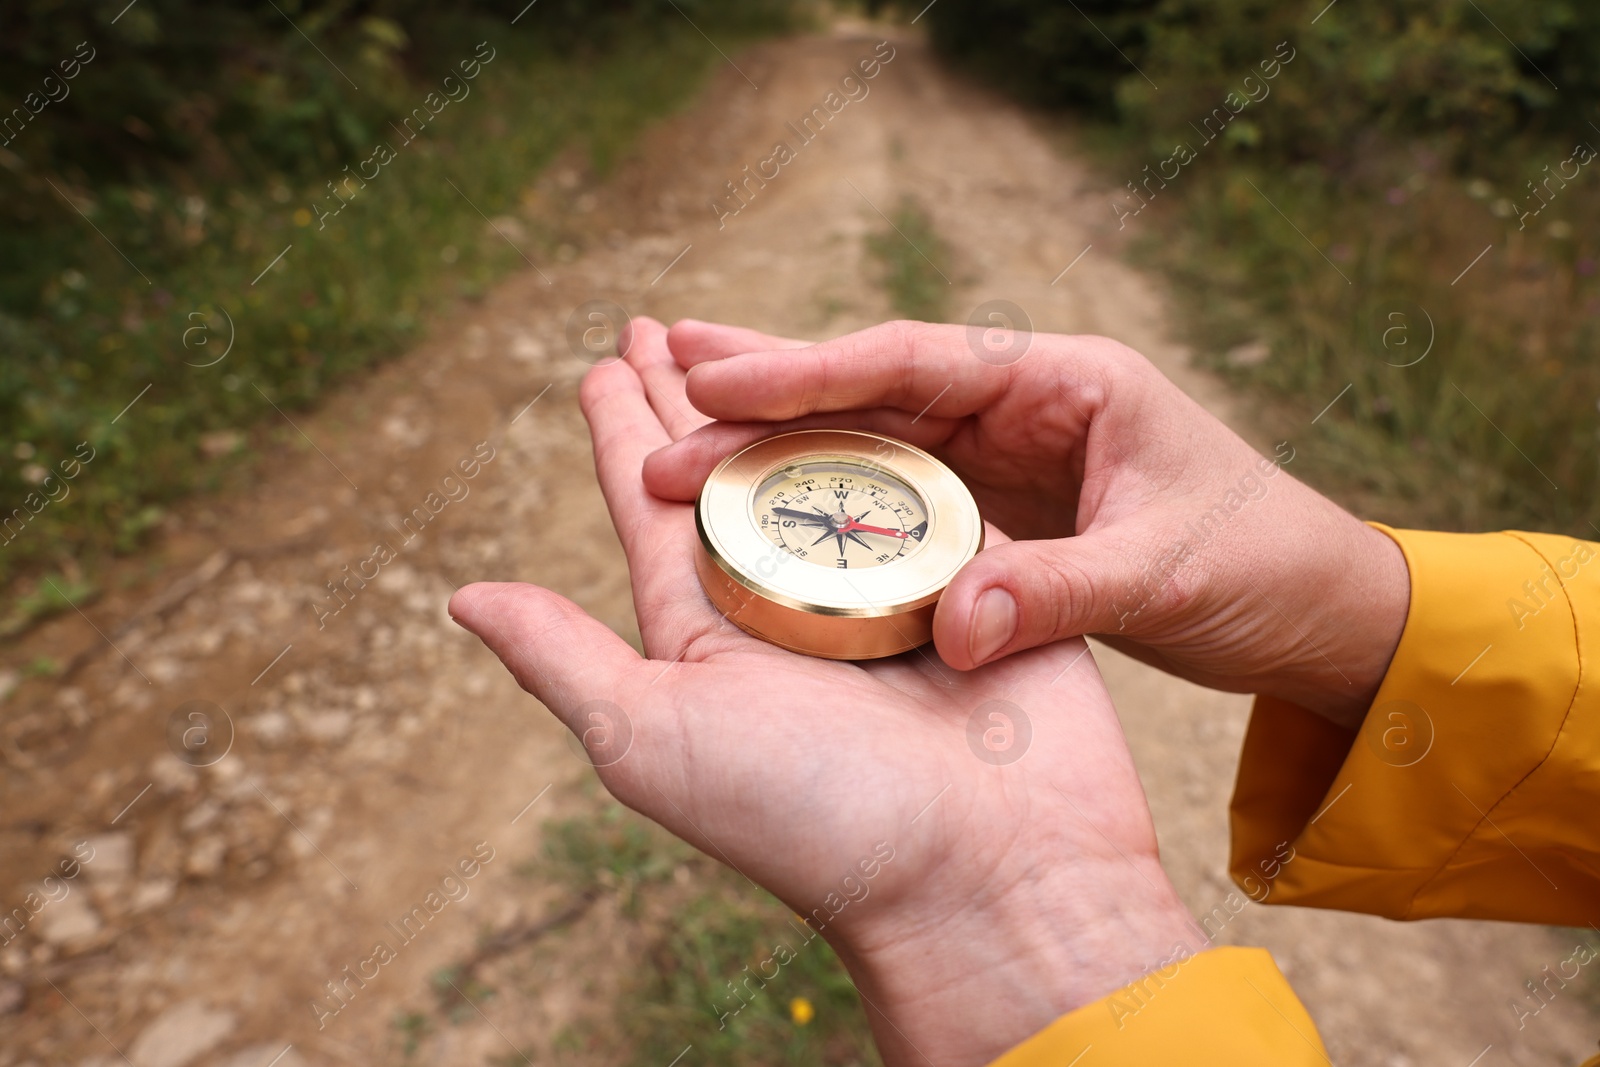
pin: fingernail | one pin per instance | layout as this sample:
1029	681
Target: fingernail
994	624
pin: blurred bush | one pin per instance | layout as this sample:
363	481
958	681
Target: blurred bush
1399	67
140	197
1333	222
224	89
1051	53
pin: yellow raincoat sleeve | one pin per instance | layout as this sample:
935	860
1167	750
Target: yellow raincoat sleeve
1468	791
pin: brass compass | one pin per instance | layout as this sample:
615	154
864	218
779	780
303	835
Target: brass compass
834	543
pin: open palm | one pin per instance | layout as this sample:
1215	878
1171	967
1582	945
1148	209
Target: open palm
939	827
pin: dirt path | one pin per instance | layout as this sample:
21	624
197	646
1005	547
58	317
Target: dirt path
379	752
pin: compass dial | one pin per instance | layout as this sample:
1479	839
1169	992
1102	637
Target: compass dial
834	543
840	513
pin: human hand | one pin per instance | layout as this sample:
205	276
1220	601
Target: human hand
1017	888
1146	519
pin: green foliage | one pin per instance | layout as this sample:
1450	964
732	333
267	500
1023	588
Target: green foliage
1391	67
54	594
914	260
1496	426
234	88
617	851
1049	52
714	932
1331	200
704	986
411	1028
200	142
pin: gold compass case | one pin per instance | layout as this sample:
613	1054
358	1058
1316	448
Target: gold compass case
834	543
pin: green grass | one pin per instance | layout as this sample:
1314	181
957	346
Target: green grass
1497	425
83	335
914	263
719	925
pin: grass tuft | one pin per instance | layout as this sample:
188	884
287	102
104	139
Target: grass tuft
915	263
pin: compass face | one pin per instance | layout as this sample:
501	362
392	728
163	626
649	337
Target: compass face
834	543
840	513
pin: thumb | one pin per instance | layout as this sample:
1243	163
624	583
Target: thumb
1029	593
554	649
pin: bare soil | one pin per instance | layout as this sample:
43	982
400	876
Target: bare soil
375	750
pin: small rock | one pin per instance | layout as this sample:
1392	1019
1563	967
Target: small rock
101	785
12	997
201	816
270	728
171	774
205	858
404	432
226	771
220	443
508	226
8	681
526	348
180	1035
113	857
153	894
164	669
306	521
328	725
70	923
264	1054
1252	354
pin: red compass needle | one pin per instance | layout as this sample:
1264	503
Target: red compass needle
854	525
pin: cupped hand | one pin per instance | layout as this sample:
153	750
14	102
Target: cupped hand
975	845
1138	515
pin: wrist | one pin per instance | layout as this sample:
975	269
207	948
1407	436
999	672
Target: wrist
983	974
1361	598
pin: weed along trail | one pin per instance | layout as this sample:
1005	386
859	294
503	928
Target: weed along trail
365	855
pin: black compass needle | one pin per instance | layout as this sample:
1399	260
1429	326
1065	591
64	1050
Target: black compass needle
801	516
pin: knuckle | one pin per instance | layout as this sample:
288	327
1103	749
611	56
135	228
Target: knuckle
1068	599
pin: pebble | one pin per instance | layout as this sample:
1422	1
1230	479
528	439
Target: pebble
328	725
113	857
1252	354
262	1055
181	1034
171	774
12	997
205	858
70	923
201	816
153	894
270	728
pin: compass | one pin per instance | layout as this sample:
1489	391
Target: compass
834	543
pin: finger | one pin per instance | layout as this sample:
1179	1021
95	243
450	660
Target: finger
1030	593
693	341
657	536
554	649
911	366
678	471
645	342
625	430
